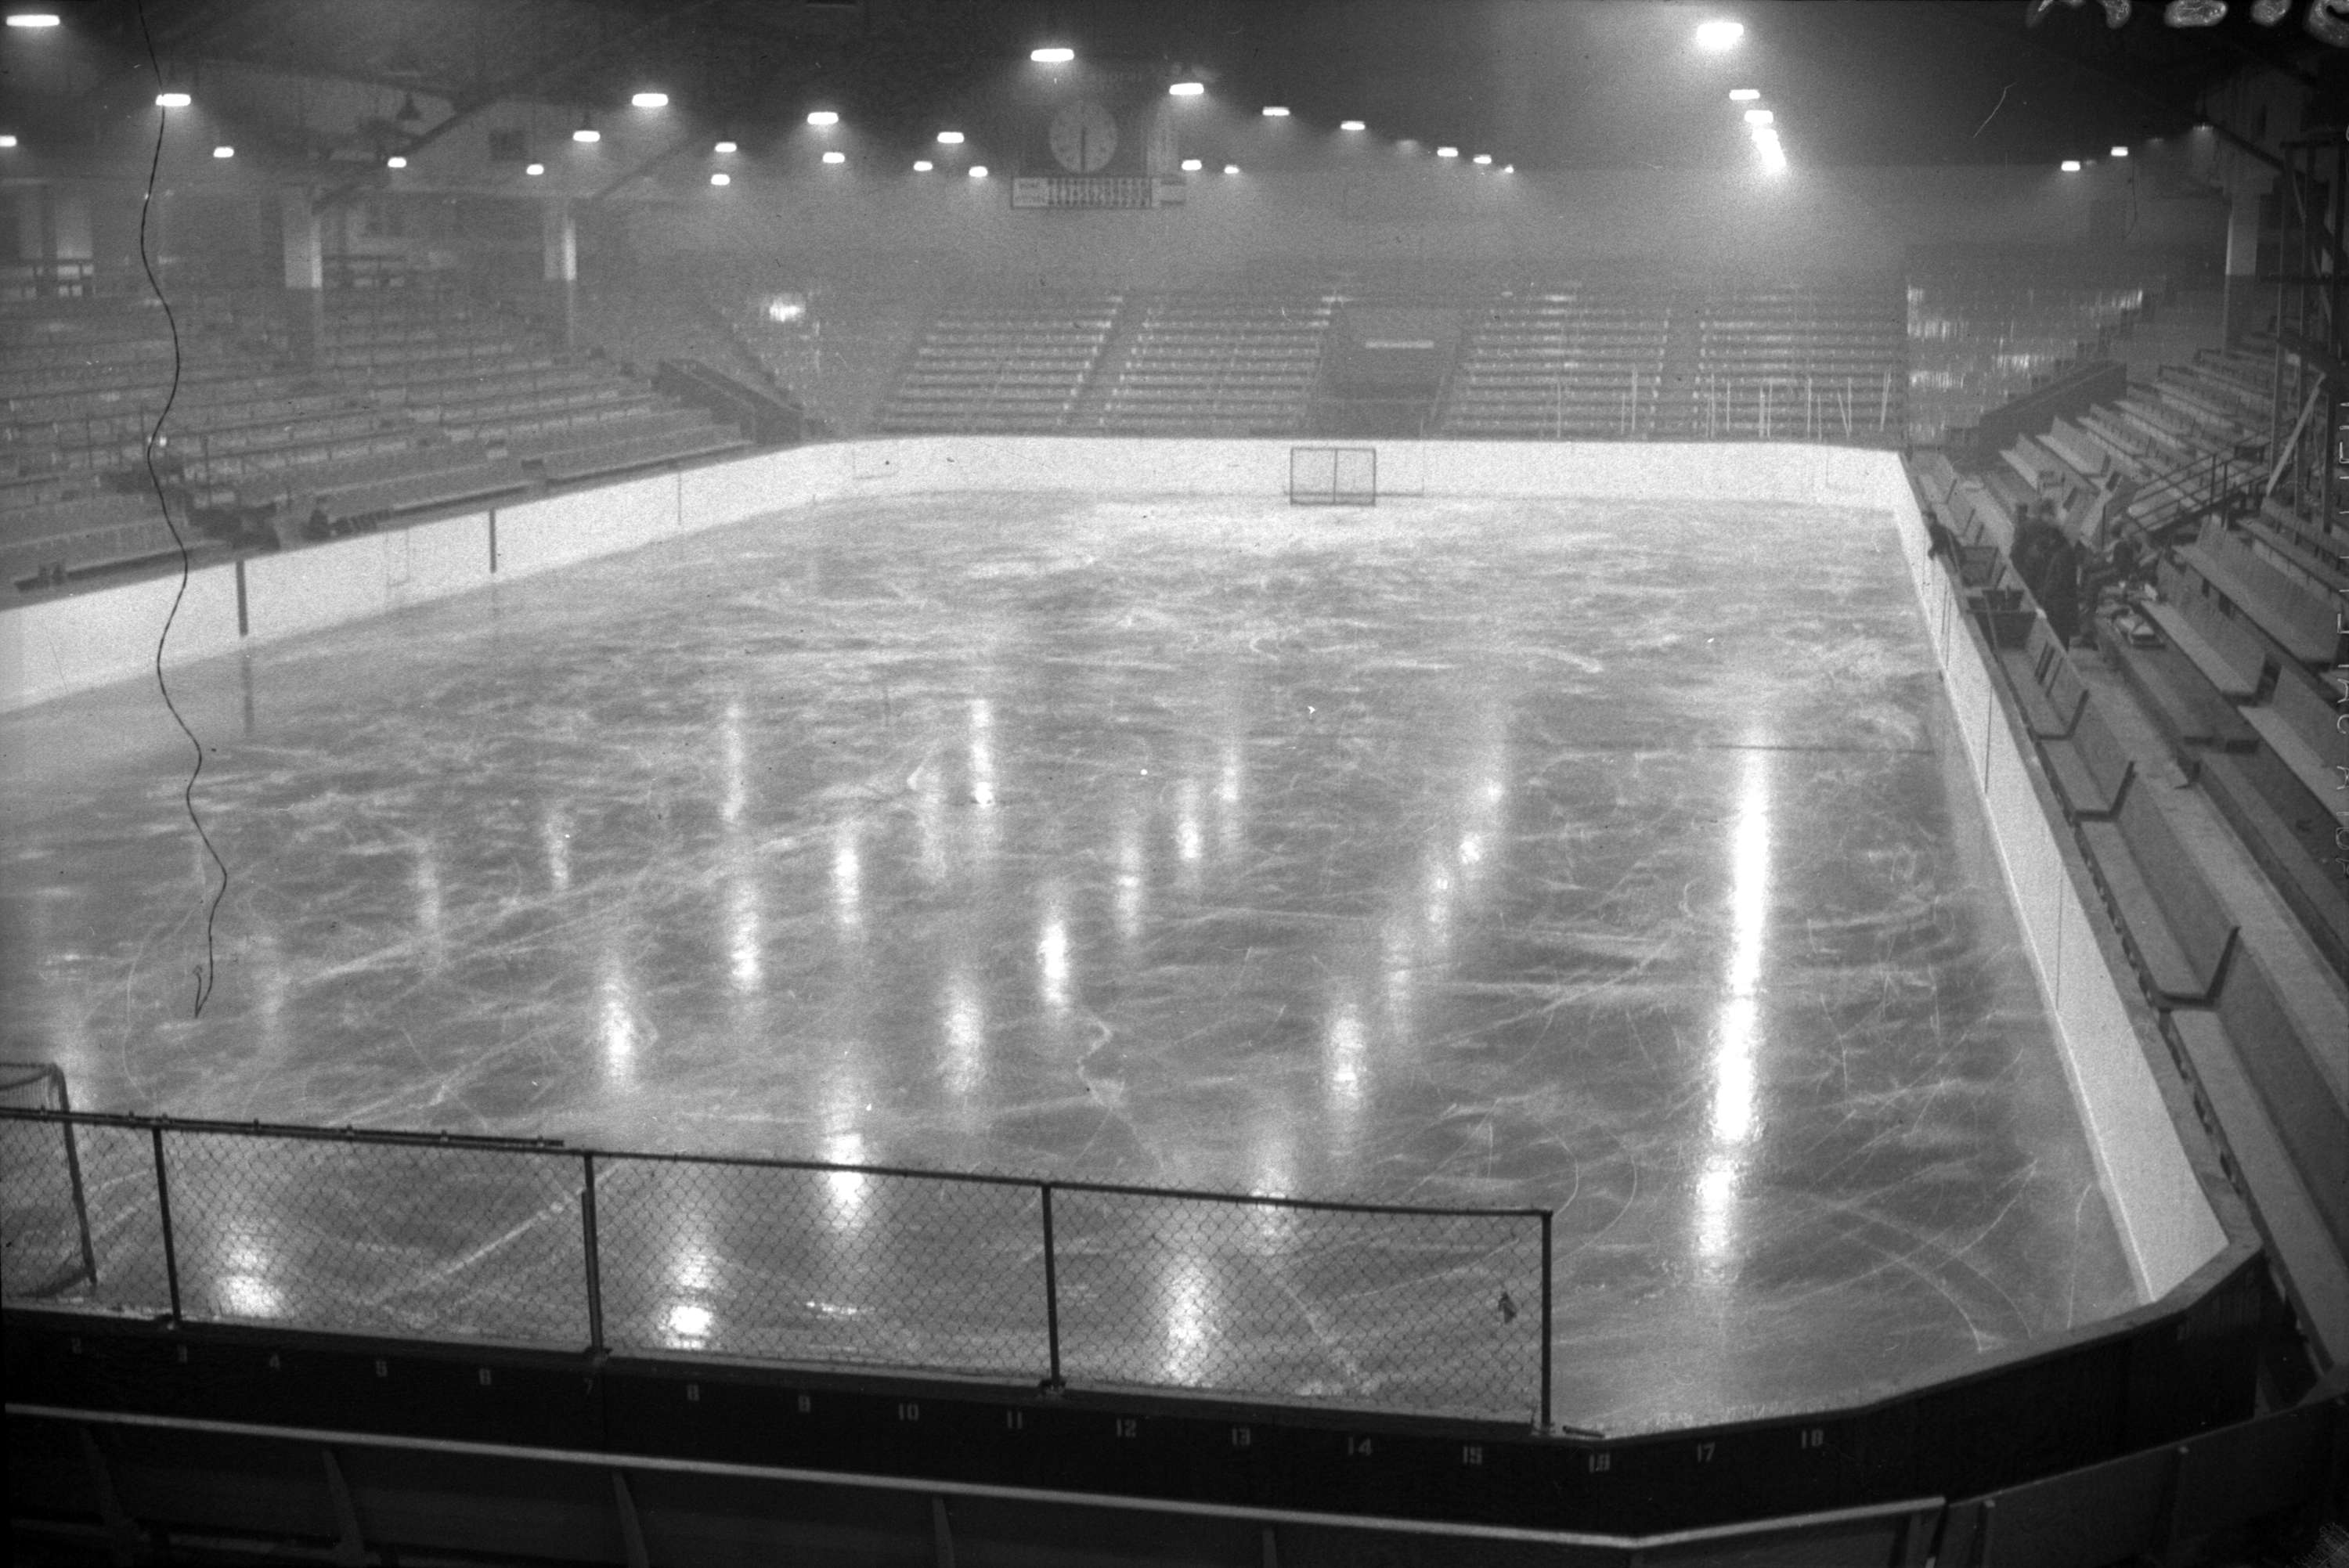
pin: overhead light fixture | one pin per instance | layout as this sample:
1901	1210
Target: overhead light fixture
2071	166
1743	95
172	100
223	150
1231	169
395	161
1719	34
950	139
978	171
535	169
923	166
1052	55
1760	116
1482	158
835	156
1351	125
721	178
1185	90
33	19
587	133
725	147
1190	165
7	140
1447	152
1275	111
1508	169
2120	152
650	100
824	117
1774	156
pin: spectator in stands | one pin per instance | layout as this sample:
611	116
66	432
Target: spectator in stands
319	526
1943	543
2057	589
2035	535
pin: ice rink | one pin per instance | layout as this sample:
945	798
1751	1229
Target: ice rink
1612	858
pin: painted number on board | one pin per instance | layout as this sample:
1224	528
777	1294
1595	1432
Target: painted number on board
1358	1448
910	1412
1601	1463
806	1404
1015	1420
1128	1426
1814	1437
1705	1453
1472	1453
1242	1436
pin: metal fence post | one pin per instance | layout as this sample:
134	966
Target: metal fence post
593	1253
73	1176
1051	1290
163	1206
1546	1217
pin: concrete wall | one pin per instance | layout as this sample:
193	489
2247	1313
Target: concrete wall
2168	1227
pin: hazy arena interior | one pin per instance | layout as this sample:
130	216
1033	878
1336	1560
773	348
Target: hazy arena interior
939	781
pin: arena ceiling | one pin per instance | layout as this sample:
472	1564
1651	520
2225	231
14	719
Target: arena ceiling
1542	83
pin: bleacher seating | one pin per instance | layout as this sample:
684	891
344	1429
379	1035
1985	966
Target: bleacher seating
1829	360
1562	359
1984	327
1214	363
1001	365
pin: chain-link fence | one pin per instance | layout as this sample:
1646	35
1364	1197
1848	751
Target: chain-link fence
1424	1310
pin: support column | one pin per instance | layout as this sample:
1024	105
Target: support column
305	276
2241	297
559	231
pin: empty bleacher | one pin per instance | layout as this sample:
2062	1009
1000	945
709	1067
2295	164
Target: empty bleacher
1563	359
1824	360
1214	363
1001	365
1984	327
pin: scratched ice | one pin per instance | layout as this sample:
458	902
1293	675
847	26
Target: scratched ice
1616	859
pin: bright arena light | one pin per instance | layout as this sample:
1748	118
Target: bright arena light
1508	169
33	19
223	150
7	141
1053	55
721	178
1186	89
835	156
1774	156
1190	165
1760	116
1351	125
1447	152
950	139
923	166
586	133
172	100
1482	158
1231	169
724	147
1743	95
824	116
2071	166
650	100
535	169
2120	152
1719	34
1275	111
978	171
395	161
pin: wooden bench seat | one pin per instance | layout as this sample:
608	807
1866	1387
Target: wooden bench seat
2299	621
2173	923
2092	771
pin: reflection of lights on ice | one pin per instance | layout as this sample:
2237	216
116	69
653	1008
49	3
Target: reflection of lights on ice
1052	953
243	1295
1186	1322
689	1322
1716	1195
847	875
1346	1049
1188	841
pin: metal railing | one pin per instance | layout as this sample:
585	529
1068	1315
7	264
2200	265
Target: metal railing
1441	1311
1795	408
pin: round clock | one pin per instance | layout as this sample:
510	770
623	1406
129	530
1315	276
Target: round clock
1084	137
